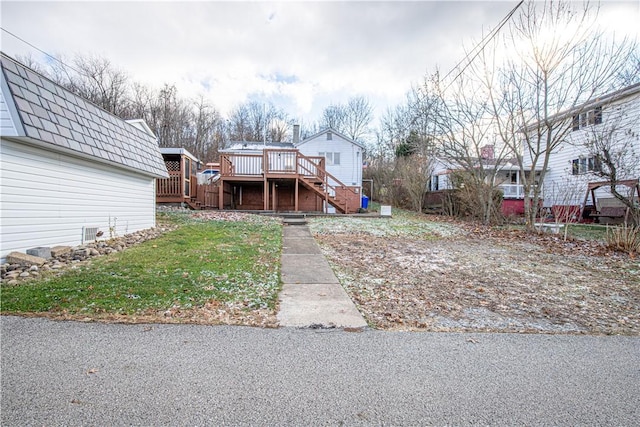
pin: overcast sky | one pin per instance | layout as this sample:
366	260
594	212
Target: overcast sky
301	56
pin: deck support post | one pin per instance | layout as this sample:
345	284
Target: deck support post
265	195
273	195
295	200
221	195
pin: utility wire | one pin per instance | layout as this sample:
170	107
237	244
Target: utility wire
40	50
480	46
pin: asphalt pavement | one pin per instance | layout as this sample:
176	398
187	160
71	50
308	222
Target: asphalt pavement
78	374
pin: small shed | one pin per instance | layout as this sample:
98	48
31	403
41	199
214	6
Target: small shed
69	169
180	186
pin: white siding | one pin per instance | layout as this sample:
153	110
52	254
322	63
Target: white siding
46	198
349	172
440	175
7	127
560	185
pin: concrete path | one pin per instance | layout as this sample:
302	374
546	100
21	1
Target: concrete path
311	295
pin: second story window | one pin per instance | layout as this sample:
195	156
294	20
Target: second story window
591	117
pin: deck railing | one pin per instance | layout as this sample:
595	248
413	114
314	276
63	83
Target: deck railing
170	187
347	198
273	162
513	191
290	162
280	161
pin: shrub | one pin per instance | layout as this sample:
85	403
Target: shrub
625	238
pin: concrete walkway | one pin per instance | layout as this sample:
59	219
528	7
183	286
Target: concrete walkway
311	295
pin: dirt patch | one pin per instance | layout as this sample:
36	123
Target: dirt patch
487	280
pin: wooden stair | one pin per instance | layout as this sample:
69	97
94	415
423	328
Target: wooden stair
316	178
318	187
194	204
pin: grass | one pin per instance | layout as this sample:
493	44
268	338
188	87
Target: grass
227	261
403	223
588	231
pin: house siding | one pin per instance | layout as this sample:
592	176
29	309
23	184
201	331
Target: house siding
7	126
561	186
349	172
46	198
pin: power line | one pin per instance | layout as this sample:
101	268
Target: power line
480	46
40	50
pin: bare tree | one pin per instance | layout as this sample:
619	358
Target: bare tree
466	140
255	121
95	79
352	119
333	117
558	61
207	125
32	63
413	172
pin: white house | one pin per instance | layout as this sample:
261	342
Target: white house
505	173
343	154
322	173
68	169
613	119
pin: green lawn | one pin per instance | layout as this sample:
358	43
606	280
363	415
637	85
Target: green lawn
201	261
588	231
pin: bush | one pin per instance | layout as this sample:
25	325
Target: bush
625	238
475	199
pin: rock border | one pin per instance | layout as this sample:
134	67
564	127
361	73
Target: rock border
64	258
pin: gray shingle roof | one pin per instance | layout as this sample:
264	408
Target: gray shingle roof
52	114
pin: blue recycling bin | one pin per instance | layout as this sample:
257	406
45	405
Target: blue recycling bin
365	202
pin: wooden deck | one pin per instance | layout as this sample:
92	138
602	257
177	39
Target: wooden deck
278	180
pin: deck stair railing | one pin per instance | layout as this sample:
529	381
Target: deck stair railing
313	176
291	163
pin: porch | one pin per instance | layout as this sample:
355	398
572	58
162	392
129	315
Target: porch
274	180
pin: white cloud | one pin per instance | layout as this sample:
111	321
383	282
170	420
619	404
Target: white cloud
302	54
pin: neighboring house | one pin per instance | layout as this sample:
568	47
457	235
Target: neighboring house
507	179
322	173
69	170
614	119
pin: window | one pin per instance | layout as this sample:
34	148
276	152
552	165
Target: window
598	116
333	159
594	164
583	165
329	136
583	120
579	166
576	122
591	117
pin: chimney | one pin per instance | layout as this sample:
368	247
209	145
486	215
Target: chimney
296	134
486	152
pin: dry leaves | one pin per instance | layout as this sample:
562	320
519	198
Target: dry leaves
488	280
